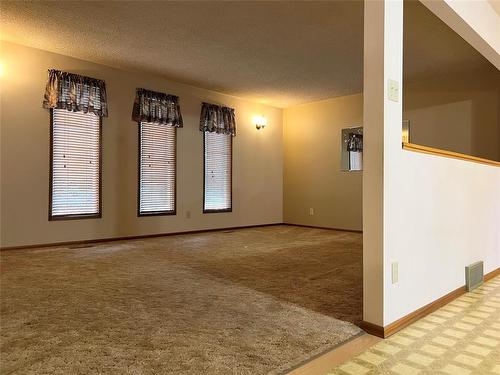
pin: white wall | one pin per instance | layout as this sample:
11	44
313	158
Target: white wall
441	215
257	158
374	119
437	215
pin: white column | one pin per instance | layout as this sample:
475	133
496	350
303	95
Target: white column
383	62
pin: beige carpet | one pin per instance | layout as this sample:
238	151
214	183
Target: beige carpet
251	301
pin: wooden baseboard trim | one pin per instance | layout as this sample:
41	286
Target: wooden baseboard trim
111	239
328	228
492	274
405	321
372	329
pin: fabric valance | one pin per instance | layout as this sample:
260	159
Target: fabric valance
217	119
75	93
157	108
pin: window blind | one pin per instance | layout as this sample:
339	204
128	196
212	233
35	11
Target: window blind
157	169
218	160
75	179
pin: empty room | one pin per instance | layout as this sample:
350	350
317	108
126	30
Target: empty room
244	187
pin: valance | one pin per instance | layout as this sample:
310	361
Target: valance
157	108
75	93
217	119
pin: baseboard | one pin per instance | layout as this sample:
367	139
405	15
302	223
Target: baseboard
111	239
372	329
405	321
492	274
319	227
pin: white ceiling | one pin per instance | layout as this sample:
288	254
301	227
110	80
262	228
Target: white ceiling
278	53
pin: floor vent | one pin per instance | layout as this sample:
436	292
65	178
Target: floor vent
473	276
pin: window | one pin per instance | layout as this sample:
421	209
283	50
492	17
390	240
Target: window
156	169
352	149
75	173
218	170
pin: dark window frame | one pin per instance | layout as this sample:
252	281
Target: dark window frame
215	211
96	215
155	213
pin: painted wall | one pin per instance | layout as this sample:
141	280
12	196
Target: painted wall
441	215
257	168
438	214
456	113
475	21
312	175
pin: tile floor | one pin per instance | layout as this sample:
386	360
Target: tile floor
461	338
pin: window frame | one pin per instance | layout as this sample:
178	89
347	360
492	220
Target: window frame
215	211
96	215
155	213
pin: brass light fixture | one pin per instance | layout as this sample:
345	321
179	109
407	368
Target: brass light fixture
260	122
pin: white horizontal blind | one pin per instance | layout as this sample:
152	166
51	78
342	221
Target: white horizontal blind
217	171
157	169
75	163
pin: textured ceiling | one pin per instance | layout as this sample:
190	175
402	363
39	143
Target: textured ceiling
278	53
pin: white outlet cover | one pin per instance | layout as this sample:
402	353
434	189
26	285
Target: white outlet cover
395	272
393	90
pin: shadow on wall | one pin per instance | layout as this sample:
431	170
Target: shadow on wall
458	114
451	93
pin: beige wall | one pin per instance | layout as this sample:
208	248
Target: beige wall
258	161
456	113
460	114
312	175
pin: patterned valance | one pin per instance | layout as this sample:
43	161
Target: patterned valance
217	119
157	108
75	93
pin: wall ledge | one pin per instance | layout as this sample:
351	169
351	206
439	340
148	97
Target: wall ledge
448	154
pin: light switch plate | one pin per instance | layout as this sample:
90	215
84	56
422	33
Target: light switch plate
393	90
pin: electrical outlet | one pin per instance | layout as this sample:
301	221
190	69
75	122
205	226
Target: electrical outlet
311	211
393	90
395	272
188	214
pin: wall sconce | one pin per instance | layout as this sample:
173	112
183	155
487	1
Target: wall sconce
260	122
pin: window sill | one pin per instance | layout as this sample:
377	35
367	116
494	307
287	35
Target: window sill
157	213
75	217
217	211
448	154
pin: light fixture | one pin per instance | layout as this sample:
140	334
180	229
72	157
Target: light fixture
260	122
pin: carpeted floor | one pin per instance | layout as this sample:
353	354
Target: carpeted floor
250	301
